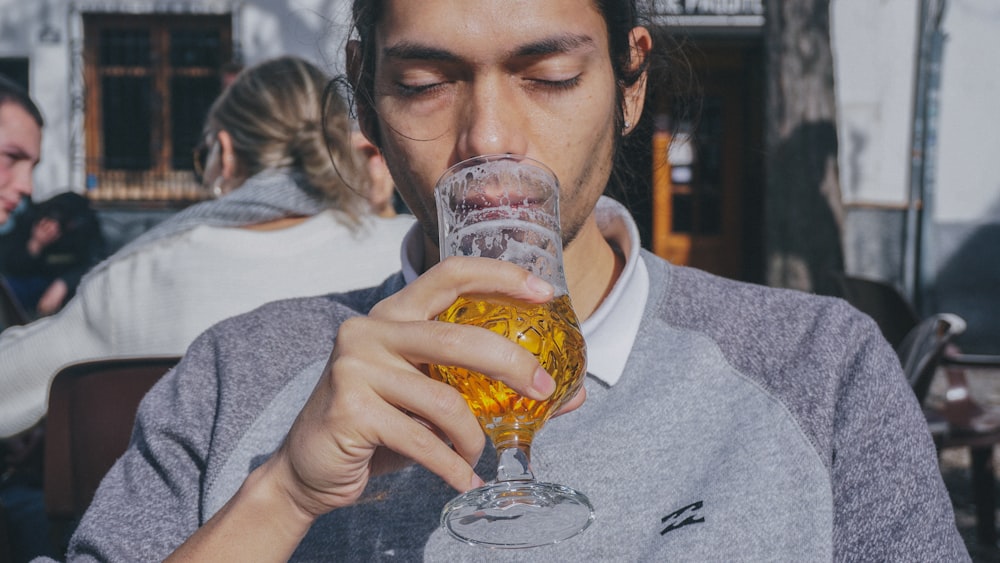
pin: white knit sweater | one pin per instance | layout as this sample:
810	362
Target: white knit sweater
155	302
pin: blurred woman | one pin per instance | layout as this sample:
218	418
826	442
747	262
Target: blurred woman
293	218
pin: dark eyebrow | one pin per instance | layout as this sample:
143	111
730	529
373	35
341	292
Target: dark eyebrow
416	51
547	46
556	44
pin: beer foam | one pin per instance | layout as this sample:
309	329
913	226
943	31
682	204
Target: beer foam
529	245
504	209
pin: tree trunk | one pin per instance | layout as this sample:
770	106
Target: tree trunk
804	214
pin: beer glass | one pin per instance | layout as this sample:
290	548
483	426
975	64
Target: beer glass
506	207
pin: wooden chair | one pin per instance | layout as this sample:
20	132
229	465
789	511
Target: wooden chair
91	411
924	347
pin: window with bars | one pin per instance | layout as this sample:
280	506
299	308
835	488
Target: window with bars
149	80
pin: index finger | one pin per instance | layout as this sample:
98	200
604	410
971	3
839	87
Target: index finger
440	286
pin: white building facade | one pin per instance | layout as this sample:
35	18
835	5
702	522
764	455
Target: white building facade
918	169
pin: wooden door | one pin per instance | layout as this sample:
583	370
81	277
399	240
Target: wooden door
706	180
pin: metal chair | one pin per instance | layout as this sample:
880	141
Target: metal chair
924	347
92	407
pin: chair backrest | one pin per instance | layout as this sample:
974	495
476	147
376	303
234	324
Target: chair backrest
922	349
11	311
92	408
920	344
882	302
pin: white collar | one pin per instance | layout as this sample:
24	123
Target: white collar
610	331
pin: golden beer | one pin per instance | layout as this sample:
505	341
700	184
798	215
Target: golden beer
550	331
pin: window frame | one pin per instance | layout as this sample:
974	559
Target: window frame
161	181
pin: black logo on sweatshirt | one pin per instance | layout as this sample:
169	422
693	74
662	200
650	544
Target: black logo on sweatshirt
690	514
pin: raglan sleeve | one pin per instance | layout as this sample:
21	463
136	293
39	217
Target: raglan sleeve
890	501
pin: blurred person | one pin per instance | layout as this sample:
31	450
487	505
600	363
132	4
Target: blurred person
50	250
721	421
8	226
292	219
20	145
20	493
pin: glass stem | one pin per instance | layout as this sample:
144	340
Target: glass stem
513	464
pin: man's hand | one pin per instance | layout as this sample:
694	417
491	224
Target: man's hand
375	409
54	297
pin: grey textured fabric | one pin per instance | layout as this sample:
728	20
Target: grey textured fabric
751	424
269	195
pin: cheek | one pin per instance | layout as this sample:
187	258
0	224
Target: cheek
586	174
8	175
414	185
427	120
585	149
581	126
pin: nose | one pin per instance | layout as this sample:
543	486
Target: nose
492	120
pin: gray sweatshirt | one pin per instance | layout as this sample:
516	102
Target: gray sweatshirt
750	424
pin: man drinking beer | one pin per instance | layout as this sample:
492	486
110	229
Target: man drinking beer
699	436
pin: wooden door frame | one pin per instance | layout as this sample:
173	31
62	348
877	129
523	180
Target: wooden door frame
733	63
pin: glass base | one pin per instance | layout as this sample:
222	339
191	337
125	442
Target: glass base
517	514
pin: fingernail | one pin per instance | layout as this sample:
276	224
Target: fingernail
538	285
543	384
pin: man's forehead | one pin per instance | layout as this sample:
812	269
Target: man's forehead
460	30
14	116
504	20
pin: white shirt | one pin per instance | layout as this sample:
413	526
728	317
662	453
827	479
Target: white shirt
610	331
157	300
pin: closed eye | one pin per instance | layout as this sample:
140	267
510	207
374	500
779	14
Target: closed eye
566	84
414	90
